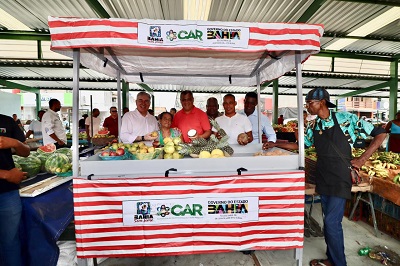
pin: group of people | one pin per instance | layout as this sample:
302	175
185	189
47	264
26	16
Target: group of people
332	134
140	125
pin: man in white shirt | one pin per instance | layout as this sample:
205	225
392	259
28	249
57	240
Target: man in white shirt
96	124
250	103
53	130
139	124
233	123
35	127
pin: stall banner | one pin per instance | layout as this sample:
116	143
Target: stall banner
158	33
101	232
189	210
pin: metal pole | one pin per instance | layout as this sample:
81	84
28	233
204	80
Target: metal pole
258	106
300	105
119	103
75	112
91	118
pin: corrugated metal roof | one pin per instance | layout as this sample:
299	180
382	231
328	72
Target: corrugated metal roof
343	17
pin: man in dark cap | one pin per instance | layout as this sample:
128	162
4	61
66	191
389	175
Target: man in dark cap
333	134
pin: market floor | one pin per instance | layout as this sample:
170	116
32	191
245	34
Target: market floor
357	235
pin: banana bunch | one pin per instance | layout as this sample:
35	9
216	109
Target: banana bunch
388	157
396	179
356	152
379	169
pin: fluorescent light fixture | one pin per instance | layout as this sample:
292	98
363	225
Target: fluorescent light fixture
196	9
374	25
10	22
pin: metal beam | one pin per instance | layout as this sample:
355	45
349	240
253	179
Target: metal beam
371	38
43	78
393	84
51	63
339	75
368	89
24	35
311	10
340	54
275	99
13	85
98	8
146	88
375	2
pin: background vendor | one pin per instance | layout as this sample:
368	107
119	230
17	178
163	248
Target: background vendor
138	125
191	117
393	127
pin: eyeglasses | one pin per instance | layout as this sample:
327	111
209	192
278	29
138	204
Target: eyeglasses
114	111
310	102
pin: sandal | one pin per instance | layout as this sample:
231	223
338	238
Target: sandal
320	262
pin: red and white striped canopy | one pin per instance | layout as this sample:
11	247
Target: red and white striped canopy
204	53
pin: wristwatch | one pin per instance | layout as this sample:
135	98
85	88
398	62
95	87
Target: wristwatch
142	138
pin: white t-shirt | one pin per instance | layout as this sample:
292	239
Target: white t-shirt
36	127
233	126
96	125
134	124
51	123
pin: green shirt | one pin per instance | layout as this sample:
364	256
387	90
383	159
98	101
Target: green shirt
350	124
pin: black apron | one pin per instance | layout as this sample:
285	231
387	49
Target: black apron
333	174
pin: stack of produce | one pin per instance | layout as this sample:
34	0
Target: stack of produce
382	165
58	163
30	164
289	127
172	148
206	147
102	138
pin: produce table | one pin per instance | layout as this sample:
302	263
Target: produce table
44	218
129	208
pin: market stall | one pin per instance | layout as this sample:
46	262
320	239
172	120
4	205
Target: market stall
199	53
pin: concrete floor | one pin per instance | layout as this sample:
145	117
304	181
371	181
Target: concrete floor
357	235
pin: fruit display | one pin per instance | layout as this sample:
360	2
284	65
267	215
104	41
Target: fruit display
198	145
46	149
30	164
58	163
172	147
82	135
382	165
216	153
65	151
289	127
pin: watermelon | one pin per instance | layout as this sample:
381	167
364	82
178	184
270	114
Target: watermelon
65	151
43	159
57	163
46	149
18	166
30	164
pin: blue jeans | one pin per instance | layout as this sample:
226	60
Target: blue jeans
10	217
333	210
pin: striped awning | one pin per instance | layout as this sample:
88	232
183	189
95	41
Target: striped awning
204	53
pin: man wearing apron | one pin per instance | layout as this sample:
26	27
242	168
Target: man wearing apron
334	133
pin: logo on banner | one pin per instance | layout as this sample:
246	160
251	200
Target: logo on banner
223	34
191	210
228	206
143	212
155	35
171	35
163	211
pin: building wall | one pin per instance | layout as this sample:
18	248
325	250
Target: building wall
10	104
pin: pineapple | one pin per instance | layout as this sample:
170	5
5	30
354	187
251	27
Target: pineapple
221	132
